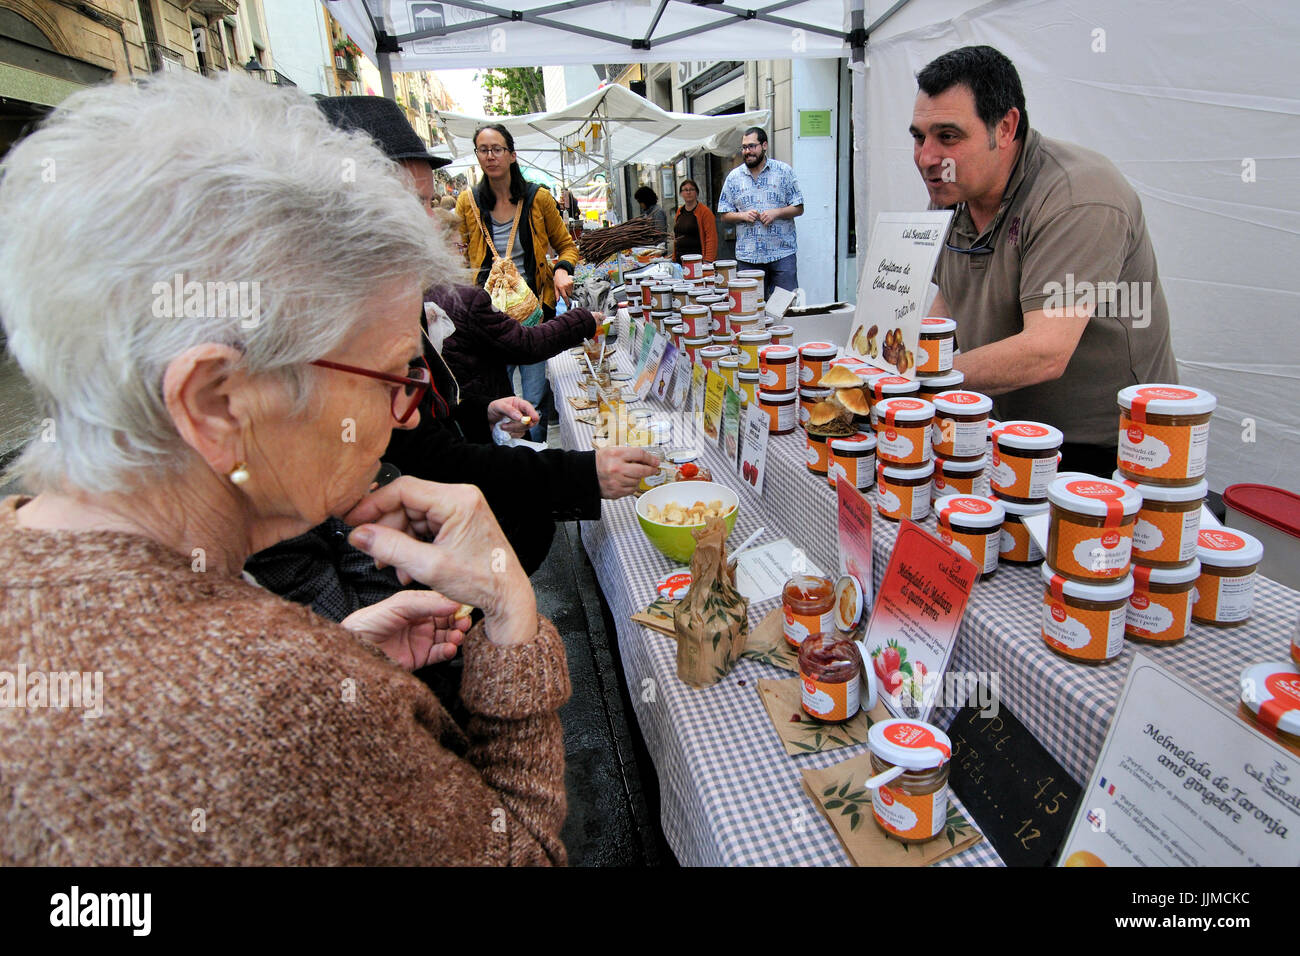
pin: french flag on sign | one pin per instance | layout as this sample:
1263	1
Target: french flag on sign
1110	790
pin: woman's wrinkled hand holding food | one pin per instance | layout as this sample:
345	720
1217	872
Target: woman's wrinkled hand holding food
445	537
414	628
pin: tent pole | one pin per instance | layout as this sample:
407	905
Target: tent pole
858	107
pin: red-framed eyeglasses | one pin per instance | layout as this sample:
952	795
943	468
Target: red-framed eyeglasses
408	390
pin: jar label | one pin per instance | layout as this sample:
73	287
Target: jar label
1019	477
1176	452
1159	617
954	439
1089	635
916	817
830	701
811	370
903	444
1224	600
799	626
1097	554
749	357
1018	544
975	548
860	473
934	355
902	501
816	456
1166	536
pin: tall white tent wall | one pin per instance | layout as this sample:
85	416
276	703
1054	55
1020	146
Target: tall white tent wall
1196	105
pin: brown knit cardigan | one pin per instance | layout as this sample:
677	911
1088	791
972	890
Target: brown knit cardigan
239	728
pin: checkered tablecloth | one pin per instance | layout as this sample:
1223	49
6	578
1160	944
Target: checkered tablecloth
729	793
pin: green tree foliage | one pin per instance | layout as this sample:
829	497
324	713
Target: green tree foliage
512	90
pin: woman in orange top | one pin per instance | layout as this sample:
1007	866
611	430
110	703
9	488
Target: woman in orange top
694	230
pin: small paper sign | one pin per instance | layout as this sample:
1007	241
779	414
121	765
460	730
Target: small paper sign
753	461
649	367
729	430
1182	782
714	387
893	287
855	536
914	623
697	397
662	384
681	380
761	573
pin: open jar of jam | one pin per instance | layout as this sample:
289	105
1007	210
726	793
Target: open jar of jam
808	602
829	669
912	805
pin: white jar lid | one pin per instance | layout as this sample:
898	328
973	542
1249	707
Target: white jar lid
747	375
693	310
1271	692
1167	399
1165	493
814	391
661	288
856	443
698	341
973	511
756	335
905	410
1224	548
1105	592
692	257
890	384
782	330
724	264
1089	495
963	403
714	352
1031	436
1023	510
899	473
934	324
818	350
939	383
730	361
1142	575
909	744
848	604
776	396
739	283
778	353
962	467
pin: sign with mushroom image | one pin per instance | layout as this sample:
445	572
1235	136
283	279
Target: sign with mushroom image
893	288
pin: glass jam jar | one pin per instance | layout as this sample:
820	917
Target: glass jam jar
808	602
1090	537
1270	702
1225	591
1164	433
1085	622
829	668
912	807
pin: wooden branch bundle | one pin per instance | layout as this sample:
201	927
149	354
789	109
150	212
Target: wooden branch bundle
597	245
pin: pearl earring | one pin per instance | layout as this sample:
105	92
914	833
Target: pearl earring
239	474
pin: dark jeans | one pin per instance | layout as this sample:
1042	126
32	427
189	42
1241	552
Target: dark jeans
783	273
1096	460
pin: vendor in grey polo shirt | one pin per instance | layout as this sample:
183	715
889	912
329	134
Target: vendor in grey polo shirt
1048	268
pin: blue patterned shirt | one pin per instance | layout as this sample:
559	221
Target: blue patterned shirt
775	187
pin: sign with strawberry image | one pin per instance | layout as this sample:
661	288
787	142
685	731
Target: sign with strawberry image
913	625
753	446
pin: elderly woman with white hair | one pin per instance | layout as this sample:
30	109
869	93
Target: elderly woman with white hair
219	319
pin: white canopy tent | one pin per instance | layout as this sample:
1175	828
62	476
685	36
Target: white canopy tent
1192	101
631	130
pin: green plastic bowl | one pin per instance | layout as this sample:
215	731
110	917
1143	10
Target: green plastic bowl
676	541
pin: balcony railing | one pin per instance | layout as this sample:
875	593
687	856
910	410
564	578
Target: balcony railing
213	61
164	59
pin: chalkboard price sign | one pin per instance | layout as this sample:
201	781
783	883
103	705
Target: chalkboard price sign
1020	797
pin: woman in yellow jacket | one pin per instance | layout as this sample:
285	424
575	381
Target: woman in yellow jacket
490	210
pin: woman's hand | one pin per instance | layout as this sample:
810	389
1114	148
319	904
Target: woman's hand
563	285
446	537
510	410
414	628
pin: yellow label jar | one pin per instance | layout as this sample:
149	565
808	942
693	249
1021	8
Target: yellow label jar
1025	456
1164	433
1090	537
1225	591
1084	622
903	430
912	807
972	527
1160	609
903	492
1167	523
750	342
747	385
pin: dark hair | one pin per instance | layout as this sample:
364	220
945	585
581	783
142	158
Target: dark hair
518	185
756	131
989	75
687	182
645	196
